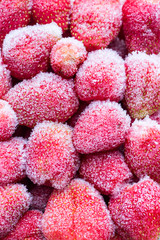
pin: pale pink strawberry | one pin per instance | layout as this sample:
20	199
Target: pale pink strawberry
66	56
78	212
47	96
51	156
13	14
142	94
136	210
14	202
141	25
46	11
26	50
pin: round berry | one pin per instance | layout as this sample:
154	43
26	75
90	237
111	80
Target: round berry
103	125
77	212
45	97
51	156
106	171
101	76
66	56
8	120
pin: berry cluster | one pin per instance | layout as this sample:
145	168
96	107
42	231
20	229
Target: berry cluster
80	120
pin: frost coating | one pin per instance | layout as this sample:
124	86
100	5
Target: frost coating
101	76
47	96
51	156
66	56
26	50
106	171
136	210
142	148
141	25
96	23
8	120
13	14
12	160
143	84
28	227
14	202
103	125
77	212
5	79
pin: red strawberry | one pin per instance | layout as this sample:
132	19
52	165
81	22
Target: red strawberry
106	171
12	160
47	96
14	202
28	227
142	94
46	11
26	50
13	14
8	120
136	210
141	25
142	148
5	79
51	157
78	212
101	77
101	126
96	23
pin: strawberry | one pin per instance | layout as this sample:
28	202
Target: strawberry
13	14
142	94
141	25
47	11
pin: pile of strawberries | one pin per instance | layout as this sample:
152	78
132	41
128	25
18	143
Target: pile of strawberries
80	119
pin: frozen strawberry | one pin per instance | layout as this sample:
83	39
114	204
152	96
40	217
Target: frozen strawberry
142	148
66	56
156	116
105	170
5	80
14	202
136	210
51	156
12	160
103	125
40	196
46	11
141	25
142	94
28	227
8	120
78	212
101	76
26	50
95	22
45	97
13	14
